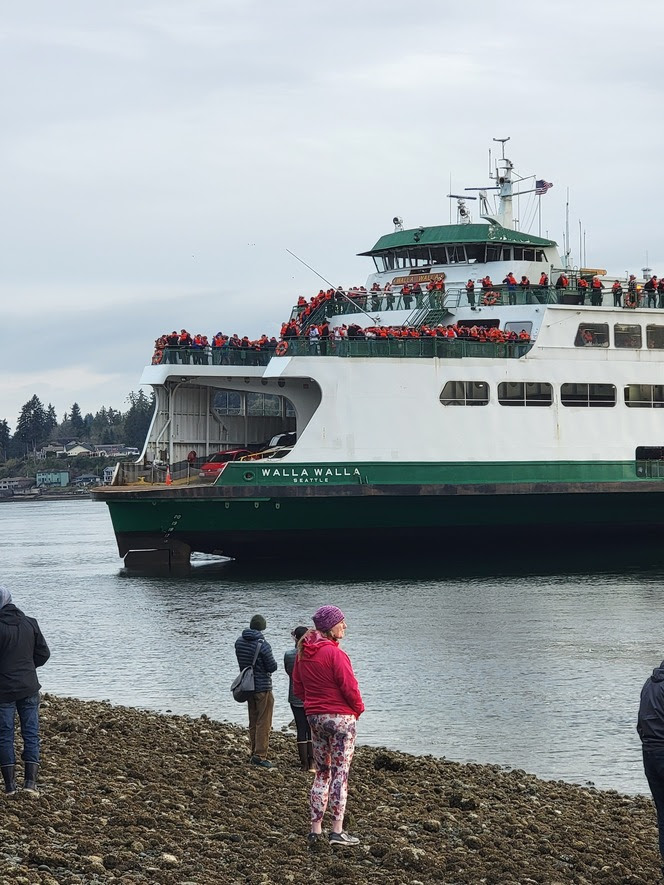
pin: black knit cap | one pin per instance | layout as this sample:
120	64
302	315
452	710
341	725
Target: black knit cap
258	622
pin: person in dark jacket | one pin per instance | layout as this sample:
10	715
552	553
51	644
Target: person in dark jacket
22	650
261	702
650	726
304	746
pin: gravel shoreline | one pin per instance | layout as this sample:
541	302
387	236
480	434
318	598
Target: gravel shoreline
131	796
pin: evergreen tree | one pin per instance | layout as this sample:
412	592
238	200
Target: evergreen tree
76	421
137	419
5	436
51	419
31	432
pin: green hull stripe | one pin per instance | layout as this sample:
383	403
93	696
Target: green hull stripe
428	473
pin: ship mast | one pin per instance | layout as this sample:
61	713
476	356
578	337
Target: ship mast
503	177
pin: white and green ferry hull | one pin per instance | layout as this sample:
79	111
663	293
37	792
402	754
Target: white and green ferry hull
259	511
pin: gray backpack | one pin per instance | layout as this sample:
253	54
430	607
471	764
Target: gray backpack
243	684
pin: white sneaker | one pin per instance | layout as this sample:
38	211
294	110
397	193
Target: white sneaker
343	839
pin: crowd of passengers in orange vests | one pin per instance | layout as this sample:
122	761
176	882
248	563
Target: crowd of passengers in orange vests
198	346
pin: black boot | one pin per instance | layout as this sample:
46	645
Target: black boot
30	782
302	753
311	765
9	777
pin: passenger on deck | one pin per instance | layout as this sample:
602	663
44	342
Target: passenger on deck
617	291
524	285
596	292
582	288
632	298
660	292
510	282
470	293
651	290
407	295
561	285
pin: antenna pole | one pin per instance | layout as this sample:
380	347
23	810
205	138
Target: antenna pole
332	286
567	248
450	198
539	215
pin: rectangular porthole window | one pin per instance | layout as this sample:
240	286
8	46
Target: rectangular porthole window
644	396
626	335
520	393
592	335
655	337
588	395
465	393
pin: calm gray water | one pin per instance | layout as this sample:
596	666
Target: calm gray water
534	671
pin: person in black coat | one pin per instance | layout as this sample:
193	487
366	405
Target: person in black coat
650	726
261	702
22	650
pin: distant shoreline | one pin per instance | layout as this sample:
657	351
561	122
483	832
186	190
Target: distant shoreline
71	496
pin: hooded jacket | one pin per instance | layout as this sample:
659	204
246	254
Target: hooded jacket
323	677
22	650
245	648
650	725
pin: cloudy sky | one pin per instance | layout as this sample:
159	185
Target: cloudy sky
158	158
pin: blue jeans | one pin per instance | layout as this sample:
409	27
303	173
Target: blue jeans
28	714
653	765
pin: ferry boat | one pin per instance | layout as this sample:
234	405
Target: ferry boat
540	414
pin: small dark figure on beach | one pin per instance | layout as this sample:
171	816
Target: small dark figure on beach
323	677
304	746
650	726
261	702
22	650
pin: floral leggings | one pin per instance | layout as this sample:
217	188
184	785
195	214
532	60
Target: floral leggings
333	738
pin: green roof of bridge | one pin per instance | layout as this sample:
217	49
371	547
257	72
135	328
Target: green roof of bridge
453	234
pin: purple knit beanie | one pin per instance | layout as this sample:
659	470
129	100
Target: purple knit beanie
328	616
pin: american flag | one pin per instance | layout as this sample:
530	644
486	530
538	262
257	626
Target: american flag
541	186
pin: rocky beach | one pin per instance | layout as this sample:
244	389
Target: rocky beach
133	796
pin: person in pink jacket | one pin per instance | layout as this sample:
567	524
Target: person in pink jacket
323	677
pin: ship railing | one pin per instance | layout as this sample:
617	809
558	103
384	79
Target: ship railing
216	356
453	297
428	346
423	348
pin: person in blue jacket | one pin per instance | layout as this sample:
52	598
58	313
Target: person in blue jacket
261	701
650	726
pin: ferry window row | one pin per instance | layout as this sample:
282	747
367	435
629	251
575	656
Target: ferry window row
628	335
229	402
459	253
540	393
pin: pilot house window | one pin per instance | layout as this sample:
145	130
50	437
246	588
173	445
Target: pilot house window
465	393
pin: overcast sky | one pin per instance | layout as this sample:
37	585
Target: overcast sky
158	158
